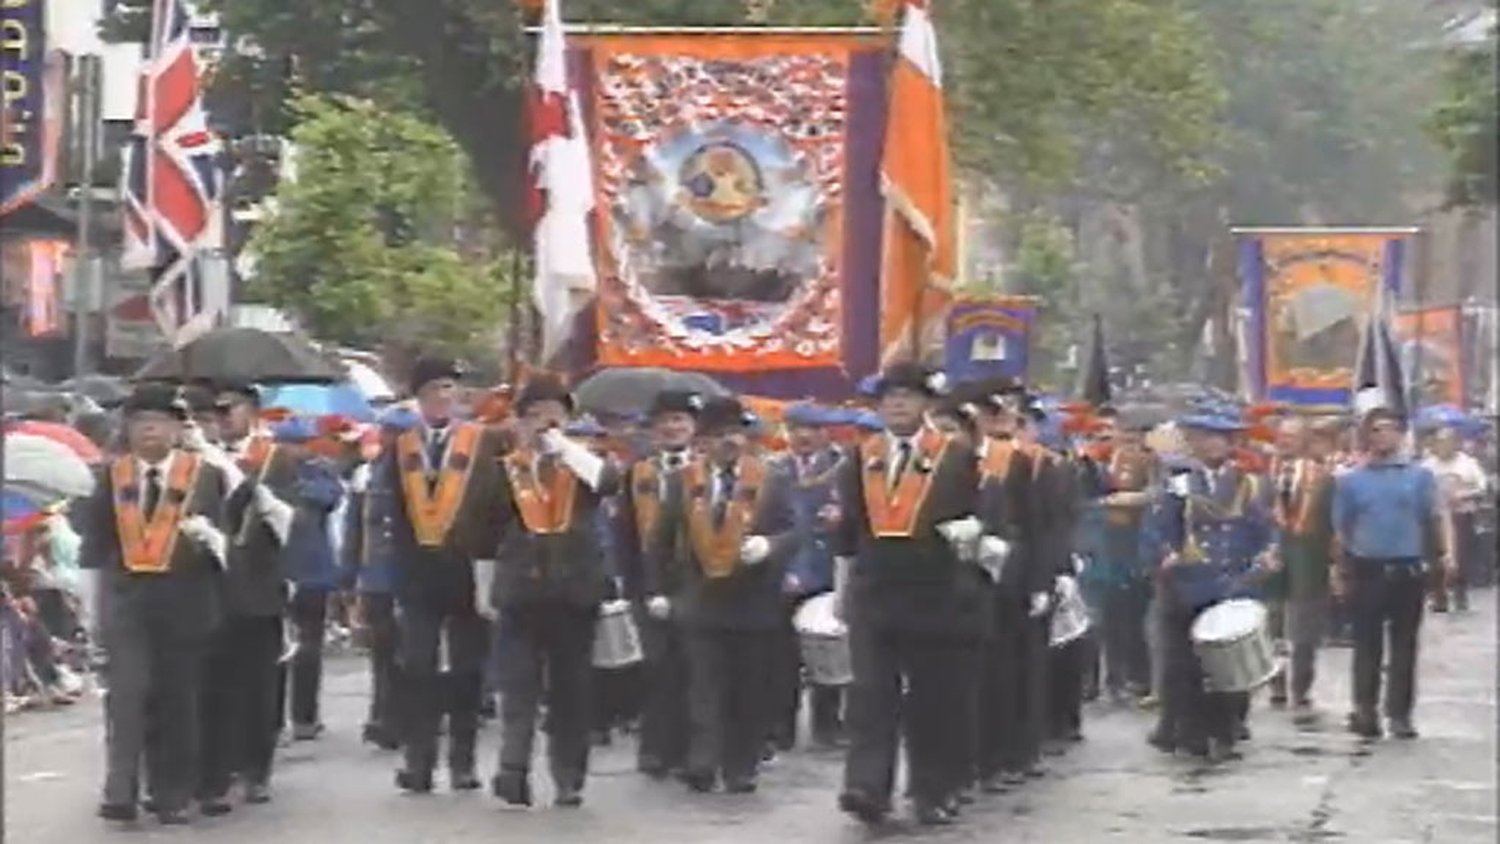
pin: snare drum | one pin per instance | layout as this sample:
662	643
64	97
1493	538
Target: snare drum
824	642
1233	644
617	643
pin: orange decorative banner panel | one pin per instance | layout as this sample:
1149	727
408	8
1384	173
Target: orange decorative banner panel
738	209
1308	294
1432	352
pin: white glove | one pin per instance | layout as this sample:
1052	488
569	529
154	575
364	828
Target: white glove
658	607
1040	603
961	531
1079	564
754	550
277	514
484	582
993	553
1179	486
588	466
200	530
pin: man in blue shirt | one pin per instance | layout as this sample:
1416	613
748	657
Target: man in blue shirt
1389	521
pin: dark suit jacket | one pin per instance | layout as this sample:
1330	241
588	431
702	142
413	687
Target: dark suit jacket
918	584
183	603
747	599
566	567
444	575
255	582
631	548
1009	507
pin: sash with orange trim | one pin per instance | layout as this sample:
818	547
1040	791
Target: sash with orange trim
717	547
433	508
147	545
645	485
544	510
997	460
1297	519
893	512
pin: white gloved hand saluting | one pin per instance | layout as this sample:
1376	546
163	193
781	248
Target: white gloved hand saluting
588	466
754	550
1040	603
658	607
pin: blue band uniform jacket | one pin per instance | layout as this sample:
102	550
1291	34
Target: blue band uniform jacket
1219	531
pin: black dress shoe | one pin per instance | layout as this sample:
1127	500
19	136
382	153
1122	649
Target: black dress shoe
214	807
120	812
1195	749
994	784
412	782
512	787
568	796
1364	726
257	793
864	807
1402	728
746	785
701	782
380	737
652	767
171	817
463	779
932	814
1242	732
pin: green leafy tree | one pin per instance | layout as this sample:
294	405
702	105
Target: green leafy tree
374	243
1464	123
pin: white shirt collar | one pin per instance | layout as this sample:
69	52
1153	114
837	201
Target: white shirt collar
163	466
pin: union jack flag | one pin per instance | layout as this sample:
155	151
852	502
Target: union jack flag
172	182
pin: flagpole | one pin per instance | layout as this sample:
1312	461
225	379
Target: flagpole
86	93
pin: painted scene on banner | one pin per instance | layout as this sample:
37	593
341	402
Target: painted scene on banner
723	169
1432	350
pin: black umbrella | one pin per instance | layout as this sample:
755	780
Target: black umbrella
243	356
628	390
1094	387
107	390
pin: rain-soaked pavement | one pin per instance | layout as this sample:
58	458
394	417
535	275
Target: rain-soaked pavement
1296	784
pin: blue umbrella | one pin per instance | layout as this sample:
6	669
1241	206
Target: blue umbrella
343	399
18	511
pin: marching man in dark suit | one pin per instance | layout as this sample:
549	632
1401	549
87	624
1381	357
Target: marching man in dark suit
549	583
448	473
652	481
732	516
908	528
153	533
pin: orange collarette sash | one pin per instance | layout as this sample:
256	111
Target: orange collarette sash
997	459
433	509
893	513
1298	518
645	486
718	547
257	456
544	511
147	545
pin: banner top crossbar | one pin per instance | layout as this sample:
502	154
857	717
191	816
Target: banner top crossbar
620	29
1324	230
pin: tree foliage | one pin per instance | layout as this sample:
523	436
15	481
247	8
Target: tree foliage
368	245
1464	123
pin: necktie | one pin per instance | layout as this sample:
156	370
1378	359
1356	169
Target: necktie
1288	483
726	493
903	460
435	443
153	490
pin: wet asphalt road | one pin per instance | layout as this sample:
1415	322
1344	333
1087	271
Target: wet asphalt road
1313	784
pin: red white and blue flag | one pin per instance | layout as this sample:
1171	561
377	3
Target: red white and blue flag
172	183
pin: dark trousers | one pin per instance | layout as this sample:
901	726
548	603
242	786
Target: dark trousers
880	712
1385	599
616	697
380	620
309	615
151	710
664	716
728	700
784	699
1127	660
968	686
441	653
238	704
546	655
1016	690
1065	674
1191	715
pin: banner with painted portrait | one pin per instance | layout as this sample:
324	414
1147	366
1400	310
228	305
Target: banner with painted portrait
1432	354
1308	294
739	209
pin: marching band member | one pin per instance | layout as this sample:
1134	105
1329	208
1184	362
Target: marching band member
673	419
909	525
153	534
548	585
1217	538
813	464
731	515
444	534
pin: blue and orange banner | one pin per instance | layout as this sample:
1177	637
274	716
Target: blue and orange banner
31	101
1432	353
989	336
1308	294
738	206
